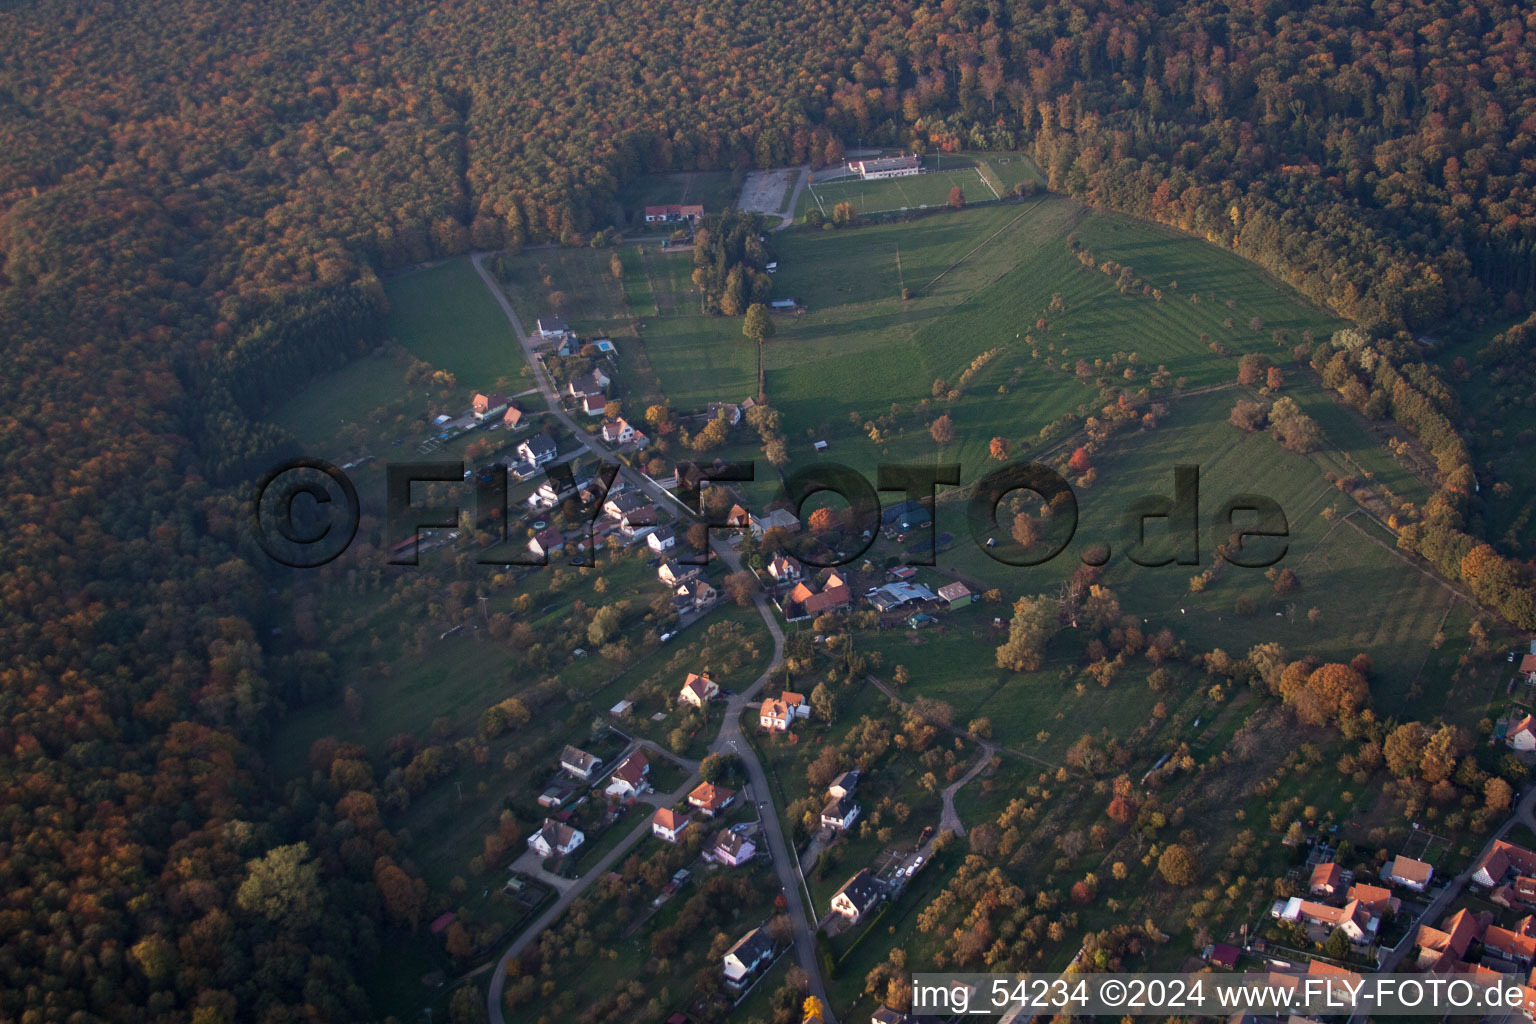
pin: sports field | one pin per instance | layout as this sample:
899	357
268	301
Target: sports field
980	177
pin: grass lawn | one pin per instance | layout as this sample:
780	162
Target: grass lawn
700	359
447	317
711	189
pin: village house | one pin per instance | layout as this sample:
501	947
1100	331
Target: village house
844	784
1441	947
594	405
1502	859
750	954
512	419
551	328
1412	874
1354	920
538	450
580	763
593	382
1374	898
621	503
668	824
620	431
631	778
796	704
711	799
695	595
1327	879
1519	892
727	847
487	407
774	519
664	538
698	690
1522	734
674	573
547	542
775	715
840	813
555	838
1517	944
1528	666
858	896
638	523
674	213
785	570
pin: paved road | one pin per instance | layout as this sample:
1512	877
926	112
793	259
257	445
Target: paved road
730	738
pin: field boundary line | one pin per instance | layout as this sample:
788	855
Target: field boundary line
995	193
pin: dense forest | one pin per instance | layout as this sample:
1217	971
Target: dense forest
196	196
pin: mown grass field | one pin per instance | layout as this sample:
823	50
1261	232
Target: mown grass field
445	316
712	189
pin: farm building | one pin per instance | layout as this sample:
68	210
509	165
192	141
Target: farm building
956	595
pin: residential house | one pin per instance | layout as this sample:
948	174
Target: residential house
955	595
698	690
1517	944
829	600
1327	879
639	522
785	570
750	954
1522	734
487	407
887	167
840	813
1413	874
512	419
594	405
551	328
1448	943
621	503
554	838
547	542
775	715
1224	954
620	431
664	538
1520	892
775	519
580	763
1528	667
1501	859
738	517
538	449
674	213
710	798
631	778
844	784
668	824
673	573
1355	921
695	595
727	847
594	382
1373	898
858	896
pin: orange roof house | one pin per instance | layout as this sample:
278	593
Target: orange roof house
710	798
1372	897
1327	878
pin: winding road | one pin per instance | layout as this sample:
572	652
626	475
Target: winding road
729	740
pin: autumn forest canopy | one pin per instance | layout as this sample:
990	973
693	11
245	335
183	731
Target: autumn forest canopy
198	199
